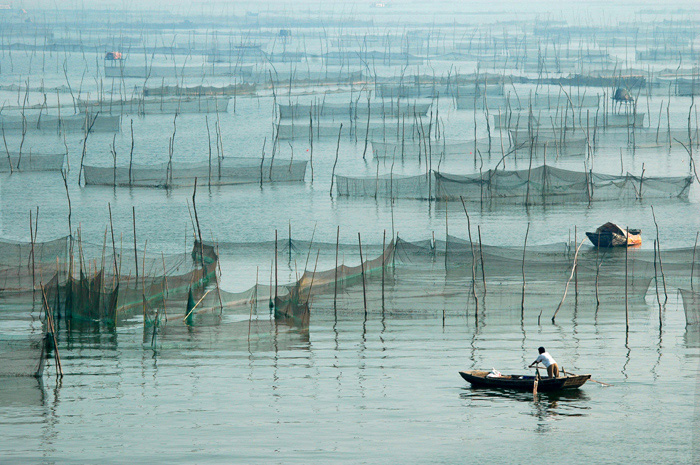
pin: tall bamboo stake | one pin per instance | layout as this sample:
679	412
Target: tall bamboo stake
597	275
627	318
661	265
136	257
575	266
52	329
114	248
471	243
481	254
311	141
569	281
656	285
369	113
362	267
522	300
276	282
383	266
335	275
31	239
337	149
692	265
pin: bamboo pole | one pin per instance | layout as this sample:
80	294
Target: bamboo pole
289	245
469	229
383	266
569	281
52	329
114	249
656	285
131	154
276	281
335	276
362	267
199	230
692	265
311	140
136	257
447	235
481	254
337	149
308	297
661	265
522	300
597	274
369	113
575	265
31	238
627	318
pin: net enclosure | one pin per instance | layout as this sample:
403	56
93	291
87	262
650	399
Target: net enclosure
562	119
231	89
537	185
28	161
409	149
178	174
160	105
417	274
512	102
115	286
43	122
546	182
461	149
352	110
691	306
23	336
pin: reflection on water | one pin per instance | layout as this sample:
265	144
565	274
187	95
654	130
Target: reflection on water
544	405
230	378
22	392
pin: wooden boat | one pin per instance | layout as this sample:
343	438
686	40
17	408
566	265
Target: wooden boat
523	382
611	235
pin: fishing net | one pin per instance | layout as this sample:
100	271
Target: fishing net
21	355
322	130
455	150
512	102
174	71
691	305
406	276
427	90
437	149
220	172
22	332
231	89
29	161
157	105
384	186
415	276
546	183
23	265
567	119
44	122
352	110
543	184
113	287
296	76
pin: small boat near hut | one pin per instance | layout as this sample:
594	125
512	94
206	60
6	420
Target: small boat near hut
611	235
486	379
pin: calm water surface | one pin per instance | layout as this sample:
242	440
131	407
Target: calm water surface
374	390
378	389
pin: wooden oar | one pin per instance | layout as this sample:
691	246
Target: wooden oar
537	381
589	379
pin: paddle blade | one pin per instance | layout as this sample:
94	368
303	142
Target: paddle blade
534	387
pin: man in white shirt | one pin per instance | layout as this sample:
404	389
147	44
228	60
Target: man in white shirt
549	363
